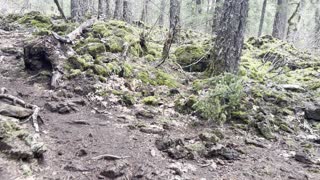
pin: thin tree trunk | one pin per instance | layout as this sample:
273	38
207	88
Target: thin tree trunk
145	13
162	12
107	9
75	10
216	15
127	11
118	11
60	9
294	21
316	33
263	13
101	12
175	25
280	20
230	37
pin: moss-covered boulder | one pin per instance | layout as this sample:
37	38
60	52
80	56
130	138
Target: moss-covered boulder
191	53
94	49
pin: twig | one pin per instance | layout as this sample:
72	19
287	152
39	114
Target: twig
109	157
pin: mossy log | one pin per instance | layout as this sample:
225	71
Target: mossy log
50	52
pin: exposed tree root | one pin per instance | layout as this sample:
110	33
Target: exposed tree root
35	115
51	52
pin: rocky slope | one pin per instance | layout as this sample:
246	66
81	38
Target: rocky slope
117	117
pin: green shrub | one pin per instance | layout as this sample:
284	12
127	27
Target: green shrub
221	98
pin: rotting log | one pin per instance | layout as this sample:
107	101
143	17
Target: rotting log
50	52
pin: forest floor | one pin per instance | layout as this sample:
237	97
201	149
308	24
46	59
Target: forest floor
77	141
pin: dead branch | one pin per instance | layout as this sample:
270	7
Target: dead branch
109	157
36	109
77	32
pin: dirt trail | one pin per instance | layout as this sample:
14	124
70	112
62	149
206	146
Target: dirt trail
74	140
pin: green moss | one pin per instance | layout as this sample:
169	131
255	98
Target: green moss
128	99
157	78
151	100
36	20
95	49
127	70
114	44
100	70
150	58
74	72
185	105
187	54
113	68
78	62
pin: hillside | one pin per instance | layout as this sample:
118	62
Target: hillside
117	114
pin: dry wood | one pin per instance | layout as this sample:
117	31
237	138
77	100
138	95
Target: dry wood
36	109
77	32
109	157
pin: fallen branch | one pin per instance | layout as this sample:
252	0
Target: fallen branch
109	157
15	100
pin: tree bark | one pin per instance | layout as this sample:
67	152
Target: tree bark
101	11
75	10
60	9
162	12
294	21
107	9
175	19
216	15
127	11
316	33
145	13
230	37
118	11
280	20
263	13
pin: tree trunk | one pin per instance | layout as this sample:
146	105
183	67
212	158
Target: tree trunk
263	13
216	15
127	11
101	9
294	21
107	9
175	19
230	37
145	9
75	10
316	35
60	9
162	12
280	20
118	11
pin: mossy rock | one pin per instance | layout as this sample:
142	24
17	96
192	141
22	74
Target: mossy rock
151	100
36	20
188	54
79	62
185	105
114	44
157	78
100	70
94	49
127	70
128	99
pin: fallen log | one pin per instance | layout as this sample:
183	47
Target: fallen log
50	52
